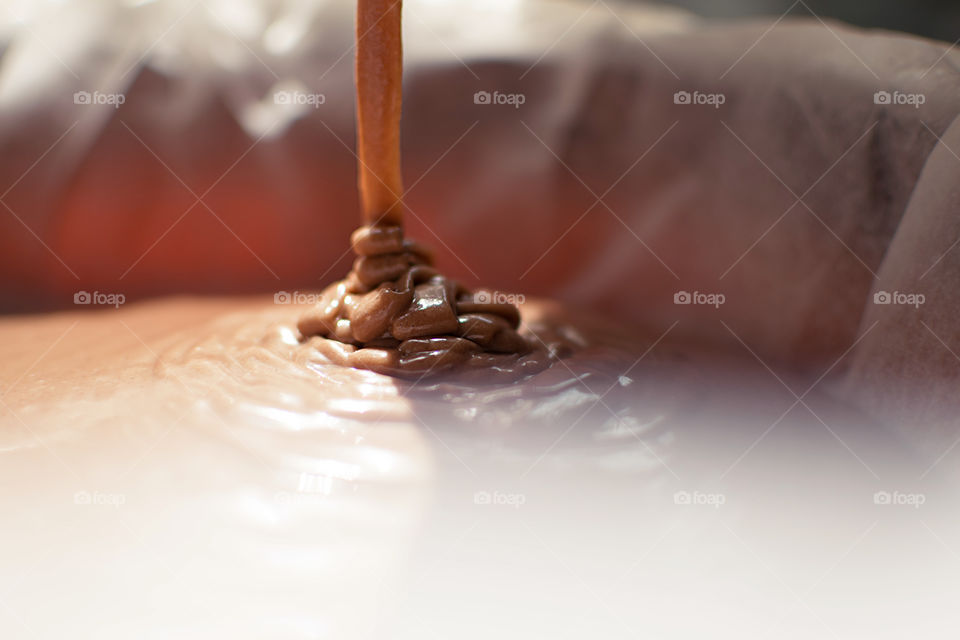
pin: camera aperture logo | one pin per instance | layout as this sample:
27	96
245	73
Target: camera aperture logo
299	98
485	97
698	498
899	98
712	299
97	98
99	298
499	498
484	296
710	99
910	299
896	498
295	297
96	498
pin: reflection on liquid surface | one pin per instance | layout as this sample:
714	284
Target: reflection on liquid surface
188	467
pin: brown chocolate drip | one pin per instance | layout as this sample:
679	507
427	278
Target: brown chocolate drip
379	78
394	313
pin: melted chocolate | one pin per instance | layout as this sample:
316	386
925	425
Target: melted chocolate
394	313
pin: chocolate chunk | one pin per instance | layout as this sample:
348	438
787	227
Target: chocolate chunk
430	314
481	328
506	311
342	331
384	360
378	240
434	354
322	318
372	313
372	270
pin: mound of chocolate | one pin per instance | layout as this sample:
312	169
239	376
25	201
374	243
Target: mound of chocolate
394	313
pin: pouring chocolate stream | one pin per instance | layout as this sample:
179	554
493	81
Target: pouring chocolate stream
394	313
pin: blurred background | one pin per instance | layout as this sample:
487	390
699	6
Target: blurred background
931	18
